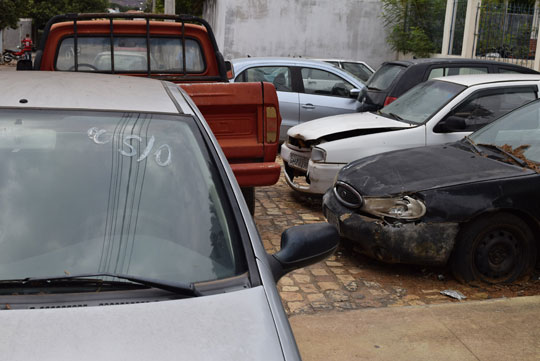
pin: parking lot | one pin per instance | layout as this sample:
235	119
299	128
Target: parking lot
349	280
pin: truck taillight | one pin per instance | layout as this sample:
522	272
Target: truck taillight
271	125
388	100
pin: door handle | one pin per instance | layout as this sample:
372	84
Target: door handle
308	106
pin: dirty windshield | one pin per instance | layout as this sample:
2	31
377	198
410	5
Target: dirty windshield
517	133
418	104
125	193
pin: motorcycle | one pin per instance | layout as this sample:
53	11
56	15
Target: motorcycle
9	55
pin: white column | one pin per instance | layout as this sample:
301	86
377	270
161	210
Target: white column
470	29
536	65
449	19
169	7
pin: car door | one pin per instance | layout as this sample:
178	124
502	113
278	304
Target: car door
479	109
288	97
324	94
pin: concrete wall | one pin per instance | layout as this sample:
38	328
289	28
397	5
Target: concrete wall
348	29
10	38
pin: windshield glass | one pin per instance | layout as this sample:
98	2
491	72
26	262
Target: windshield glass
384	77
129	193
421	102
517	132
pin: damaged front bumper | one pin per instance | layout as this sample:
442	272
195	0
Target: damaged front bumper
409	242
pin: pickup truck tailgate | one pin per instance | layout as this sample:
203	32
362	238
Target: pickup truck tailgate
245	119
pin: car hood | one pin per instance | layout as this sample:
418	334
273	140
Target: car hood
232	326
344	123
418	169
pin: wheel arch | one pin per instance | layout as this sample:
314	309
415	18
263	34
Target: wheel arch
533	224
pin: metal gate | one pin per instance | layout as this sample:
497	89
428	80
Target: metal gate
507	33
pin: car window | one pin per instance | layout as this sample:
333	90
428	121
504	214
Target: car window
131	193
421	102
359	70
518	130
509	71
485	106
447	71
385	76
130	54
280	76
321	82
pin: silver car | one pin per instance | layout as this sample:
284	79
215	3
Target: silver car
307	89
124	234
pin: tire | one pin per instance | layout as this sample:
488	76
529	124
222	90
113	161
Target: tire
249	196
499	248
7	58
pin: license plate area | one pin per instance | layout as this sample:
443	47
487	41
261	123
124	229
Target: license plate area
298	162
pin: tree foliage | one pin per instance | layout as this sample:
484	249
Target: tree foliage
42	10
11	11
414	26
191	7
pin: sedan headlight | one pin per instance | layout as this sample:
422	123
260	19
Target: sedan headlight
400	207
318	155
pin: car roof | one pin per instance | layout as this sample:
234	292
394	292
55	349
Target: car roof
430	61
279	60
476	79
78	90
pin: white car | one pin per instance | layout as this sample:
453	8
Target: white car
358	68
124	234
439	111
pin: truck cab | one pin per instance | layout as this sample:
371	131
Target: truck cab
244	117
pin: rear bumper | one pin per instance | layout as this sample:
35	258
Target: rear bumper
256	174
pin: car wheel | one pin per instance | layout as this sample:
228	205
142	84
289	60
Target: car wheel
499	248
249	196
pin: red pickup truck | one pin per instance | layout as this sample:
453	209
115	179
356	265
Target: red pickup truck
179	48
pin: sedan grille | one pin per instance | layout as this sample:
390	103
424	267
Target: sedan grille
347	195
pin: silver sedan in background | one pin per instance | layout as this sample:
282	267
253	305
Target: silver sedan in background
307	89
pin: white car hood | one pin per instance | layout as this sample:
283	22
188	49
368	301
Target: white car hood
233	326
318	128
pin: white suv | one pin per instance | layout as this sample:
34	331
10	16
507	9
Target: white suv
438	111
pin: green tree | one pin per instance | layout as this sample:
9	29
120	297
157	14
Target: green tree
191	7
42	10
414	26
11	11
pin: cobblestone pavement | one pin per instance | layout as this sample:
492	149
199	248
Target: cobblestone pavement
349	280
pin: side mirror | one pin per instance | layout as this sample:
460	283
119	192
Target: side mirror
302	246
354	93
230	70
452	123
24	64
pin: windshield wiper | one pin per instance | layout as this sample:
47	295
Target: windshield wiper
521	162
175	287
476	149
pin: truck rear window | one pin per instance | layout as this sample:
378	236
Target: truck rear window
130	55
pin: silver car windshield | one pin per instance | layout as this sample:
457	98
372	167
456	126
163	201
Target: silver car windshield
418	104
517	133
128	193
